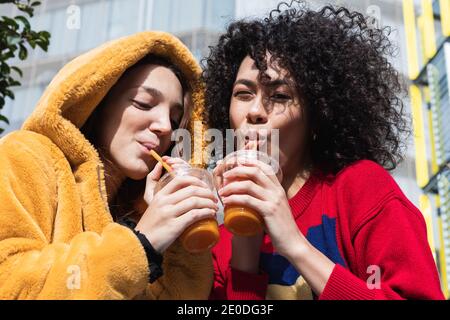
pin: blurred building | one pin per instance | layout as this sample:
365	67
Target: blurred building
79	25
428	46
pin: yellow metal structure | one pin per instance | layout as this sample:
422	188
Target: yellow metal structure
419	136
411	38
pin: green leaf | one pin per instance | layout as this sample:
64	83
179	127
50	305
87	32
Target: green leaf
43	45
25	8
1	130
4	119
16	69
24	20
35	3
33	34
23	53
10	53
10	94
11	22
14	83
32	43
2	102
44	34
5	69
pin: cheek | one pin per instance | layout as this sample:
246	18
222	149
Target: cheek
291	132
237	114
290	127
131	120
287	120
123	127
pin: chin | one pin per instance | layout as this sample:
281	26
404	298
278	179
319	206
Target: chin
137	171
137	175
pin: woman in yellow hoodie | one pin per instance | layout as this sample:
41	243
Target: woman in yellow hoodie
70	174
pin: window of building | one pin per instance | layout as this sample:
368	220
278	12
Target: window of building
123	18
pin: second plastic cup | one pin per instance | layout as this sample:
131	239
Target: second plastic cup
242	220
201	235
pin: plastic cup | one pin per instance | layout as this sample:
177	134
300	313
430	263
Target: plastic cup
241	220
201	235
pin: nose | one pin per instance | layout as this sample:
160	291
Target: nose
257	114
160	124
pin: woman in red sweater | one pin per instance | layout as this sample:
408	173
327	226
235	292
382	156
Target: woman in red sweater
337	226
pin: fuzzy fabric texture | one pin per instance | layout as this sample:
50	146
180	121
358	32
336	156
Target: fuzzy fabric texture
57	237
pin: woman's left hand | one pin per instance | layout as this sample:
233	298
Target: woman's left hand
157	172
175	162
254	185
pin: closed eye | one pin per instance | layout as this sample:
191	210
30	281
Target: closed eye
243	95
279	97
141	105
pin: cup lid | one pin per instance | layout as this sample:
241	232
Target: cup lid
185	170
253	155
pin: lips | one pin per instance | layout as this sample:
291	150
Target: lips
149	145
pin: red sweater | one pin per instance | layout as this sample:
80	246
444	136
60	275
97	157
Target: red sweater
362	221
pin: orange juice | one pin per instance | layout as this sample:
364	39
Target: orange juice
201	235
241	220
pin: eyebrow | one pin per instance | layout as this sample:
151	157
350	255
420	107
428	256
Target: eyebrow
158	94
250	83
245	82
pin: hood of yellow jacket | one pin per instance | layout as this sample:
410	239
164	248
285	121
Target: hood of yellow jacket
79	87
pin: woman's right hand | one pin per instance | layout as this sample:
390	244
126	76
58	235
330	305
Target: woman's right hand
183	201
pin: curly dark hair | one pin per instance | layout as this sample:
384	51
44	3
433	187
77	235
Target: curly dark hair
339	62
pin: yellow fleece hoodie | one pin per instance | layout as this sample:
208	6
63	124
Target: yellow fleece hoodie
57	237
